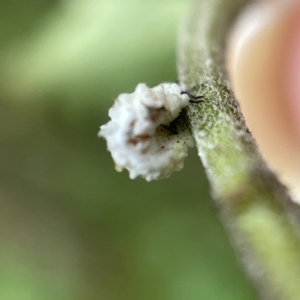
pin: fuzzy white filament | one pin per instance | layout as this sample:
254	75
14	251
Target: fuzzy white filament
135	138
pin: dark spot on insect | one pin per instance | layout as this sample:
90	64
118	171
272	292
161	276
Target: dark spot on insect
156	112
138	139
177	125
132	123
171	128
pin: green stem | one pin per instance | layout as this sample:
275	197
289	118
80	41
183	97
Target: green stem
253	204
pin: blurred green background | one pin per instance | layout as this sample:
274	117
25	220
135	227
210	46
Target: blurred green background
70	226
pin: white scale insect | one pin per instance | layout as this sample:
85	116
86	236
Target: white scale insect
135	138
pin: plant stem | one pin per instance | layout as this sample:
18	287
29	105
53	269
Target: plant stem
253	204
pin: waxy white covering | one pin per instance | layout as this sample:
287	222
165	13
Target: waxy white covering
135	138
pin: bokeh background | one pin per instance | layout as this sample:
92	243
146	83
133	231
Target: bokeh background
70	226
